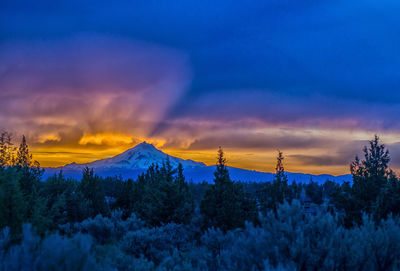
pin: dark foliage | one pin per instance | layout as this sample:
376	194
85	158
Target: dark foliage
161	195
160	222
225	205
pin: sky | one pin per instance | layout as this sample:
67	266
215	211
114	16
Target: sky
85	80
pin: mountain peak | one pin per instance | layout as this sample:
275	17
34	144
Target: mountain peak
144	146
140	156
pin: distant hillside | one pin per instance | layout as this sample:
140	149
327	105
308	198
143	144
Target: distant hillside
136	160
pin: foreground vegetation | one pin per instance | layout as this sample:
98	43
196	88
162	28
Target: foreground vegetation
162	222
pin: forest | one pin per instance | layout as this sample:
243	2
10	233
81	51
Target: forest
161	221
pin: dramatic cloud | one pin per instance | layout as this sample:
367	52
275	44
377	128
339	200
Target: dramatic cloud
283	109
314	79
88	90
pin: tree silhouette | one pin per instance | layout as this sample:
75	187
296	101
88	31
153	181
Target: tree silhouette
162	196
372	179
225	204
278	191
6	150
93	192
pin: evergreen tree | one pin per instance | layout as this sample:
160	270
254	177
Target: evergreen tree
314	191
30	176
55	191
6	150
180	178
40	216
280	175
24	157
93	192
167	172
126	199
221	174
30	169
225	204
12	203
185	207
78	207
372	179
162	196
388	200
278	191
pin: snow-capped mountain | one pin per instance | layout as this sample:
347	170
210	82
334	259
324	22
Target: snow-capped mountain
136	160
139	157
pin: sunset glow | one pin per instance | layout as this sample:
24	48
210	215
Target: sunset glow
189	84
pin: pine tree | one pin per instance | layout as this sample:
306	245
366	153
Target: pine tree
30	176
77	206
126	199
184	211
280	175
225	205
30	169
278	191
93	192
167	171
221	174
371	178
388	200
6	150
162	196
24	157
40	217
180	178
12	203
54	192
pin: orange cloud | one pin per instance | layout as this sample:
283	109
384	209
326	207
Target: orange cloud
49	137
82	99
106	139
87	97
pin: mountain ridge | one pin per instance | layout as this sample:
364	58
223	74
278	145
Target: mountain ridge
136	160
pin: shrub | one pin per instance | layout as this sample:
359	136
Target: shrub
53	253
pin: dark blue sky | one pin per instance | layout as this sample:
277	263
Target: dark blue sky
347	49
283	64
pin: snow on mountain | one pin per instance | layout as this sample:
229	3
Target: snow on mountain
139	157
136	160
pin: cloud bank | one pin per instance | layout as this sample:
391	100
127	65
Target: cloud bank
314	79
88	90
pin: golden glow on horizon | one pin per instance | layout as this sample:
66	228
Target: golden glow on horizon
54	157
91	147
264	161
261	161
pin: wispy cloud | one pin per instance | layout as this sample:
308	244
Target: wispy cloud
73	91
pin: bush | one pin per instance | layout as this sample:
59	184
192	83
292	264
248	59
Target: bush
104	230
53	253
156	243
